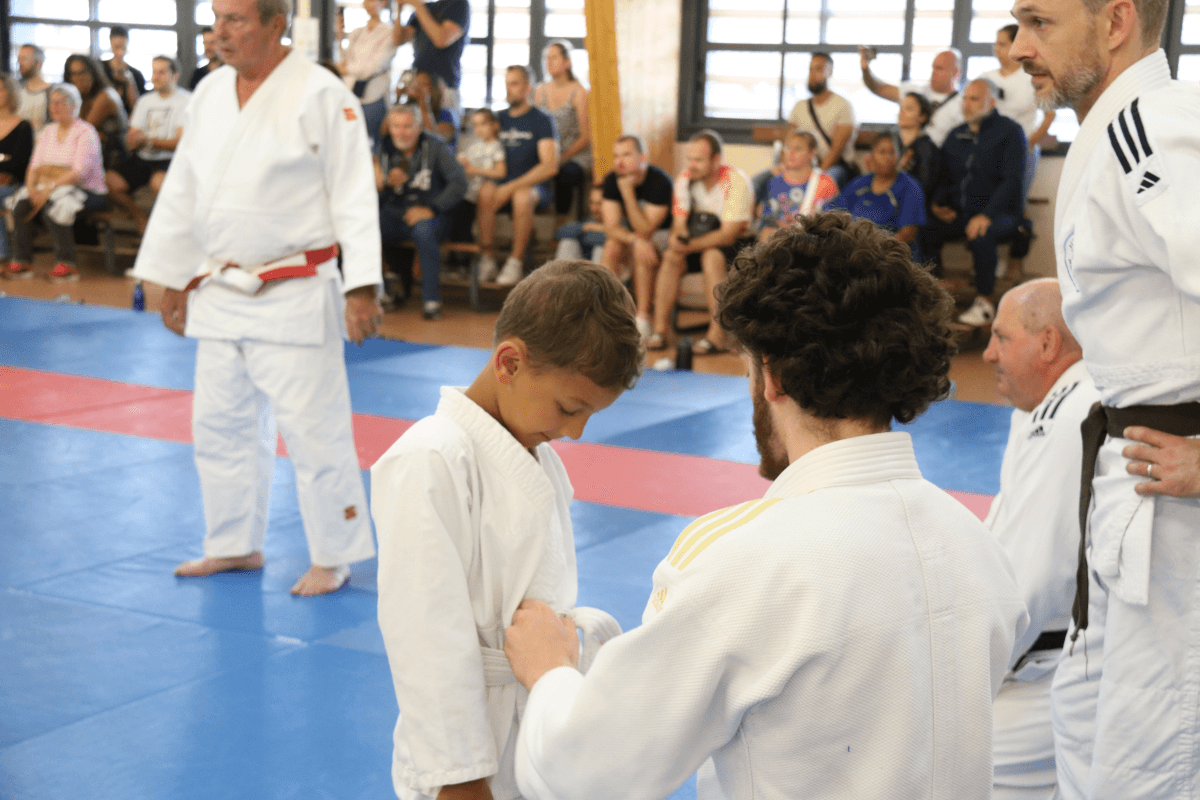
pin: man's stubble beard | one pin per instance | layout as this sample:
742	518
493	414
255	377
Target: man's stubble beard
773	458
1070	89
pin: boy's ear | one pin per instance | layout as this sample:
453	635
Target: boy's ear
508	360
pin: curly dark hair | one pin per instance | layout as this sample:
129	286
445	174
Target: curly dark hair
576	315
843	319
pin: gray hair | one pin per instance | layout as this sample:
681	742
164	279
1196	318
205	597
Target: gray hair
68	92
269	9
991	87
411	110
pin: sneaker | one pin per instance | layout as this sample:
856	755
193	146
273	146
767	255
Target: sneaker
487	269
981	313
644	327
432	310
63	273
512	273
18	270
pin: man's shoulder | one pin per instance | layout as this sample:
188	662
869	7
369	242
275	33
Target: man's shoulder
712	528
656	174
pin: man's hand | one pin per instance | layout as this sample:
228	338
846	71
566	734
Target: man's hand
1171	462
944	213
174	309
677	245
978	226
471	790
627	184
135	138
865	56
396	178
364	315
539	641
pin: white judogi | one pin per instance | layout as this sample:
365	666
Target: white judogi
1127	235
470	523
1035	518
289	172
843	637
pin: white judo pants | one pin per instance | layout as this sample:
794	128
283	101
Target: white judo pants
1022	738
238	386
1073	695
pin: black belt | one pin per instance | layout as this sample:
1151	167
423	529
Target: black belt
1049	640
1178	420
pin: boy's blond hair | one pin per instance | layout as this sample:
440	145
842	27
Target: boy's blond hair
576	315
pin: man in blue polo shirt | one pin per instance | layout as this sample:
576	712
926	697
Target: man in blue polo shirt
531	160
438	32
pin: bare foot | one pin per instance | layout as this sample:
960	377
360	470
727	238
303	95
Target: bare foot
211	566
321	580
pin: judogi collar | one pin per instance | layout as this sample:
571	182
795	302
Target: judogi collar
873	458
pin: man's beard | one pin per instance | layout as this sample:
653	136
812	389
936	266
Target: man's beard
818	88
1078	81
773	458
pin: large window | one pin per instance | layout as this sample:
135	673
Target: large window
746	61
502	32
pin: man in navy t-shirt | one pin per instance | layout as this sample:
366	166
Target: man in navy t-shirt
438	32
531	160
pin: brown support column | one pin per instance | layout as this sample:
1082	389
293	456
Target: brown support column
604	102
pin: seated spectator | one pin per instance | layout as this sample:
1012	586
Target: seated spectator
889	198
35	92
102	107
978	193
584	239
941	91
425	91
65	178
799	189
1015	99
636	215
565	98
153	135
530	161
711	214
919	156
128	82
16	147
483	161
419	184
365	65
212	59
831	117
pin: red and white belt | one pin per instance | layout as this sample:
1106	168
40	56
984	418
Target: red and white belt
251	280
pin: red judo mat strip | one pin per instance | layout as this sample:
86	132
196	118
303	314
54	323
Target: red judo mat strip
667	483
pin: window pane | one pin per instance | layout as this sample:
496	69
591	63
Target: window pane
989	16
1189	68
978	65
566	25
474	80
512	25
355	16
859	21
147	12
746	22
54	9
1065	126
144	45
1191	23
742	85
59	41
479	24
204	13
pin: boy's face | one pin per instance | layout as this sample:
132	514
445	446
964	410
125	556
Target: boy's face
797	155
542	405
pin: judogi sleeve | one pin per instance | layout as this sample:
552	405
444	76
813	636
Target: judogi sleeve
1168	225
169	254
656	703
349	181
419	501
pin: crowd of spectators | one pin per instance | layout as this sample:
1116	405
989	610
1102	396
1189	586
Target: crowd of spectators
957	165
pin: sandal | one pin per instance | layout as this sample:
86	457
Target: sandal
655	341
704	347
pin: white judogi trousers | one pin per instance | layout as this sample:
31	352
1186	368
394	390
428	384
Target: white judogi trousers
243	388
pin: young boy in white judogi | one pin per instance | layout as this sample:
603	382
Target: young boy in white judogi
471	506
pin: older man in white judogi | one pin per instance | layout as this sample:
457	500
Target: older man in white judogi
273	174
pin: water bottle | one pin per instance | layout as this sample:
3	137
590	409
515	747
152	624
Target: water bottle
683	354
139	297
